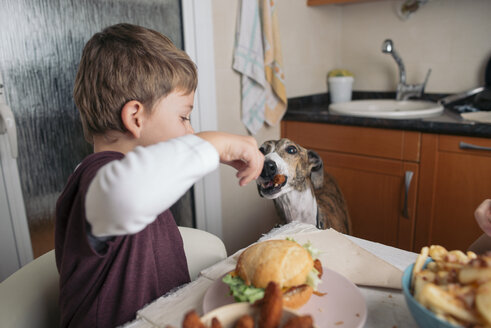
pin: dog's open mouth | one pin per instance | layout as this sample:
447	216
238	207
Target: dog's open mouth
273	186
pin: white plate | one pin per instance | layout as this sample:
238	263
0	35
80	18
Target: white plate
342	306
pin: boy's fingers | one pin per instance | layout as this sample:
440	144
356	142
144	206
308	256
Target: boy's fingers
240	152
254	163
246	175
257	162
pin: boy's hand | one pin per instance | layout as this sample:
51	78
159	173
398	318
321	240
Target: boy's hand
483	216
240	152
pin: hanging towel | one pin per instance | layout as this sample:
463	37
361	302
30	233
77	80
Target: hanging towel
249	62
276	100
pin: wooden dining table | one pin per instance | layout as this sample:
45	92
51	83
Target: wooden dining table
385	307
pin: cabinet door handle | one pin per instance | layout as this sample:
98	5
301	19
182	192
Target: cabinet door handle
465	145
408	176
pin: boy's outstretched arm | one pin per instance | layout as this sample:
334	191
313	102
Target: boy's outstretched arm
127	195
240	152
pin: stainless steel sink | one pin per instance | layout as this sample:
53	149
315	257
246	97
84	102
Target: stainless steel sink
388	108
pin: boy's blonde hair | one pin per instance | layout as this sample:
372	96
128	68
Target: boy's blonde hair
126	62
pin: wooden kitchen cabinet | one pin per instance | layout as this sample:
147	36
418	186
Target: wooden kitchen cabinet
456	181
372	165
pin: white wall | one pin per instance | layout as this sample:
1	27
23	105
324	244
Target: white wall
450	36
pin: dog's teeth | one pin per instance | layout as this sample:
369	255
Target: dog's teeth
275	185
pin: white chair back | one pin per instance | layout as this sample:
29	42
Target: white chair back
29	297
202	249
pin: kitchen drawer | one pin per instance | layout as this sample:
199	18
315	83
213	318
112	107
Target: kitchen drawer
452	183
374	142
467	145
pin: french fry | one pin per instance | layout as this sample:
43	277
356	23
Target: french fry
471	255
421	279
420	261
272	306
439	300
483	301
457	257
471	274
246	321
215	323
432	266
192	320
456	286
437	252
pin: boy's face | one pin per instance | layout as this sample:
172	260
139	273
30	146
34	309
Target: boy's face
169	119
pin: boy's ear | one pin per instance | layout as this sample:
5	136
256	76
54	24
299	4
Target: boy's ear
132	117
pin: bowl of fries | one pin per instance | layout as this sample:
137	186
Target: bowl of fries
449	288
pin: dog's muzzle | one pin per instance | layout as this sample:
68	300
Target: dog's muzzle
270	182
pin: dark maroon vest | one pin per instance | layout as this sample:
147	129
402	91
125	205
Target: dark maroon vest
106	290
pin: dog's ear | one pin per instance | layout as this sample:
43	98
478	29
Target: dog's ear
316	169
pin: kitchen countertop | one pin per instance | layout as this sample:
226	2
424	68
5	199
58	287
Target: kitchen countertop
314	108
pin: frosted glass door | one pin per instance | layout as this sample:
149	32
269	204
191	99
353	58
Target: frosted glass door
40	47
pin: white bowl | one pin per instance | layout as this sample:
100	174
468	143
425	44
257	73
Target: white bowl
229	314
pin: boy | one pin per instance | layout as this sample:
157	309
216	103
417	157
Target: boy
117	245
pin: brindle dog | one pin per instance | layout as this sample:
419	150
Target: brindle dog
294	178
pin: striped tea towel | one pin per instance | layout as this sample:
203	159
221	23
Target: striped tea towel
249	61
276	100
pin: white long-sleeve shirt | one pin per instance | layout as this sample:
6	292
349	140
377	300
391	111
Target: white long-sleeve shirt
127	195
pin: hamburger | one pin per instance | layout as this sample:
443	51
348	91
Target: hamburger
294	267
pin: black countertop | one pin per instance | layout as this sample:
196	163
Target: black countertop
314	108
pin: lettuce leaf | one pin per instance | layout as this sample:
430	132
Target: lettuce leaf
314	252
313	279
242	292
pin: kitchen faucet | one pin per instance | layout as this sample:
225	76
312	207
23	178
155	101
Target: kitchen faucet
404	91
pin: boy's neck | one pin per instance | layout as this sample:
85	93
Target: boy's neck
114	141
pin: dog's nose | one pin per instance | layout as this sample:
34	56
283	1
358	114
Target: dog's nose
269	169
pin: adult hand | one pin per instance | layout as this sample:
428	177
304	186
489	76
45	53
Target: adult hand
240	152
483	216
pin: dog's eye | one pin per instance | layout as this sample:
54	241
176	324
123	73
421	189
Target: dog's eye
291	150
262	150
